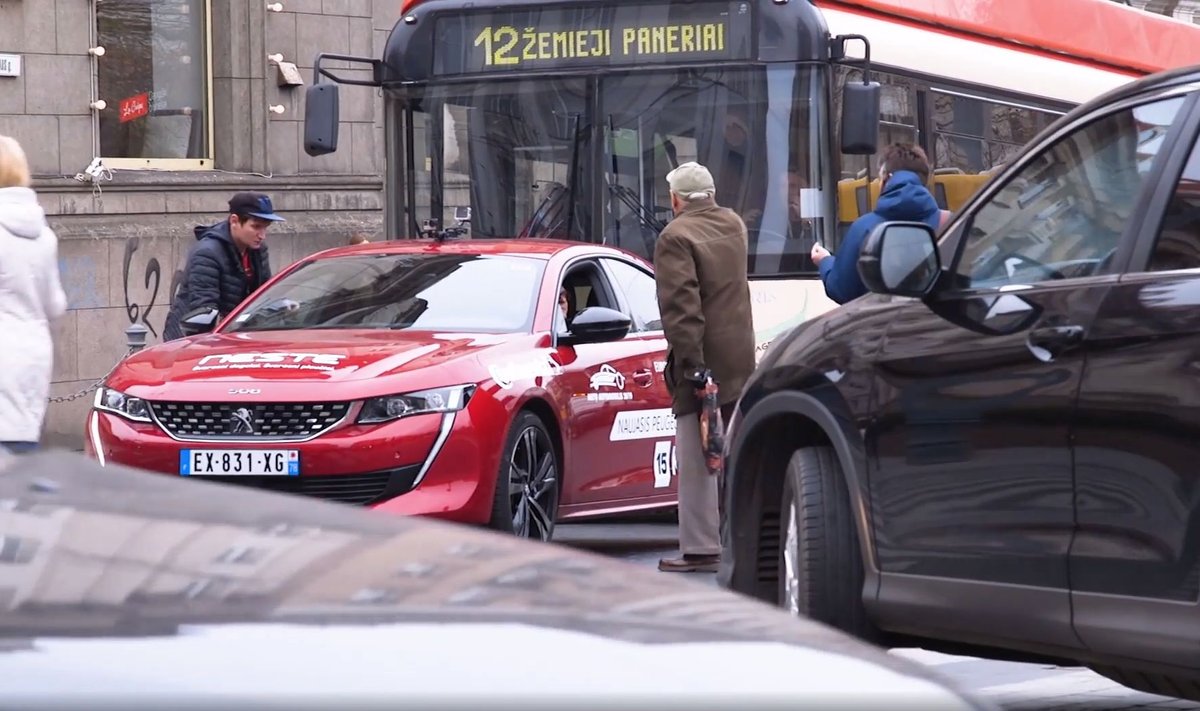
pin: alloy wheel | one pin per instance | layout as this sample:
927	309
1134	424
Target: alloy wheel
791	566
533	485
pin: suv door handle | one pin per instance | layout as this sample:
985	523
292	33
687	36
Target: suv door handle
1048	343
644	378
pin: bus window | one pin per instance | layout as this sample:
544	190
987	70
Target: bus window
968	139
974	138
725	119
506	153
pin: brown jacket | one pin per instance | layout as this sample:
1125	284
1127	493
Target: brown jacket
704	299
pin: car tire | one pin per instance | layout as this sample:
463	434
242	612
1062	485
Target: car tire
820	559
527	484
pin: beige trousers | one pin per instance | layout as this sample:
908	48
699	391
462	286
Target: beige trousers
699	513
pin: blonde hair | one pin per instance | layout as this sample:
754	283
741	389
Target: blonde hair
14	168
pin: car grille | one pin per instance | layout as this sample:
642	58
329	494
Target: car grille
359	489
225	420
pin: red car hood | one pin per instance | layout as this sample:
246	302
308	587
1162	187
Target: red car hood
311	357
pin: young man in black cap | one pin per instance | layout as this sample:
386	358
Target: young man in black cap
228	262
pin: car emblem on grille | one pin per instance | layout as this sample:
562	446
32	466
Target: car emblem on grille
241	422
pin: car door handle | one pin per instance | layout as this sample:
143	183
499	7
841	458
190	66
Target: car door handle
1052	341
644	378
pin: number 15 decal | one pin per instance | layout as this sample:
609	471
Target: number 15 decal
664	464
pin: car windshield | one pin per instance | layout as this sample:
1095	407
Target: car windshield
428	292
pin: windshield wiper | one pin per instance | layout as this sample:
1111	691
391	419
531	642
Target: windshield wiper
628	197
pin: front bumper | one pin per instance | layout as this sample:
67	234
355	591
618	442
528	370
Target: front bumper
440	465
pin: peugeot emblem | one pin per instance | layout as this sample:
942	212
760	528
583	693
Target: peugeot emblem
241	422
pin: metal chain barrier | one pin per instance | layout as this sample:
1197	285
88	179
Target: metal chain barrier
93	386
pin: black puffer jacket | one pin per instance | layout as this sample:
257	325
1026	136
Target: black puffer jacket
213	276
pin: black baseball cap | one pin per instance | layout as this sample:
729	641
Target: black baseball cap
255	205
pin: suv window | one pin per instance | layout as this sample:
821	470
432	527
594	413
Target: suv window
1063	214
638	287
1178	243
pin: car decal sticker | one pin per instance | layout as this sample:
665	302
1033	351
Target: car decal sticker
642	424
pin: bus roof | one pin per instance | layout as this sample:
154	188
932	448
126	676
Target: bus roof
1101	31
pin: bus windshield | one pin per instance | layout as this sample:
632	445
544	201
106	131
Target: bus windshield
586	157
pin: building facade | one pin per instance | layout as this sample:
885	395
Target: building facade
142	117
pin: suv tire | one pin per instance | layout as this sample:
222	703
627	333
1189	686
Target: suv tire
820	559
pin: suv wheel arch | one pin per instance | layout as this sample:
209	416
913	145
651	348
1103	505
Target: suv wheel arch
769	434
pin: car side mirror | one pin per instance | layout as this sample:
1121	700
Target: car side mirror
900	258
321	118
201	320
860	118
596	324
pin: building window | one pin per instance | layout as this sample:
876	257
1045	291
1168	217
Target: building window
155	78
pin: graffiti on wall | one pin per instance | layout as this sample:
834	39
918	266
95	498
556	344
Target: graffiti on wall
151	282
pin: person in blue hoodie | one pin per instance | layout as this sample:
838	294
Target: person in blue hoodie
903	174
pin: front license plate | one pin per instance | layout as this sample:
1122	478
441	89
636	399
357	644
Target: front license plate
239	462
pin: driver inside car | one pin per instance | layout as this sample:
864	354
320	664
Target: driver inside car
566	309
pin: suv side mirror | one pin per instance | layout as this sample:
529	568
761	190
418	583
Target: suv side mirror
321	118
860	118
596	324
201	320
900	258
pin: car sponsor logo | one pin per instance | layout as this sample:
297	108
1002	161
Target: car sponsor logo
642	424
245	391
269	361
506	374
608	377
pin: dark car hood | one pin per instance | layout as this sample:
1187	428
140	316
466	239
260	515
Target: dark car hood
117	584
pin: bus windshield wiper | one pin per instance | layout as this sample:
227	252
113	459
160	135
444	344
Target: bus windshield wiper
626	195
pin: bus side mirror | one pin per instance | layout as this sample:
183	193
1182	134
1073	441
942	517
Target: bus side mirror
321	119
860	118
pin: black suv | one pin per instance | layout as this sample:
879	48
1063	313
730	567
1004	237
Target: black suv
997	452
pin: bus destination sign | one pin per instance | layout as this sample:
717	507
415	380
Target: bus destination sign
564	38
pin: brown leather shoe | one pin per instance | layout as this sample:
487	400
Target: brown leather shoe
690	563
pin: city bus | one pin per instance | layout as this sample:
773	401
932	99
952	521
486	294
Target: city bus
561	118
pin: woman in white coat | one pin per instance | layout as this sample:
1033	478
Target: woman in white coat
31	297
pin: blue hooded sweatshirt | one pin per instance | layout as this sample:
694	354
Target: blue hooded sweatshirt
904	198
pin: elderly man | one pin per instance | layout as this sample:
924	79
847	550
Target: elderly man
704	299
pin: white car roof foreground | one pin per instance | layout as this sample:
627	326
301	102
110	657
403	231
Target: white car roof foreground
148	590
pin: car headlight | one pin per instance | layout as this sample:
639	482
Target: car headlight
118	403
393	407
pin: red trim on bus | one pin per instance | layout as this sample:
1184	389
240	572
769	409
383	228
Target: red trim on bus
1101	31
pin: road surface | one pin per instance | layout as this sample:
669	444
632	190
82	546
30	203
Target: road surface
1006	684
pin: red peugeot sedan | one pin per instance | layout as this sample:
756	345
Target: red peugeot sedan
507	383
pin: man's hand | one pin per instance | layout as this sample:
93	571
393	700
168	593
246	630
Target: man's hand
818	253
697	377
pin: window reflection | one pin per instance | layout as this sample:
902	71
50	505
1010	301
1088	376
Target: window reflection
1063	215
1178	244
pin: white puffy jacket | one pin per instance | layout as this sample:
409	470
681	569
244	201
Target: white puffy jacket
31	296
